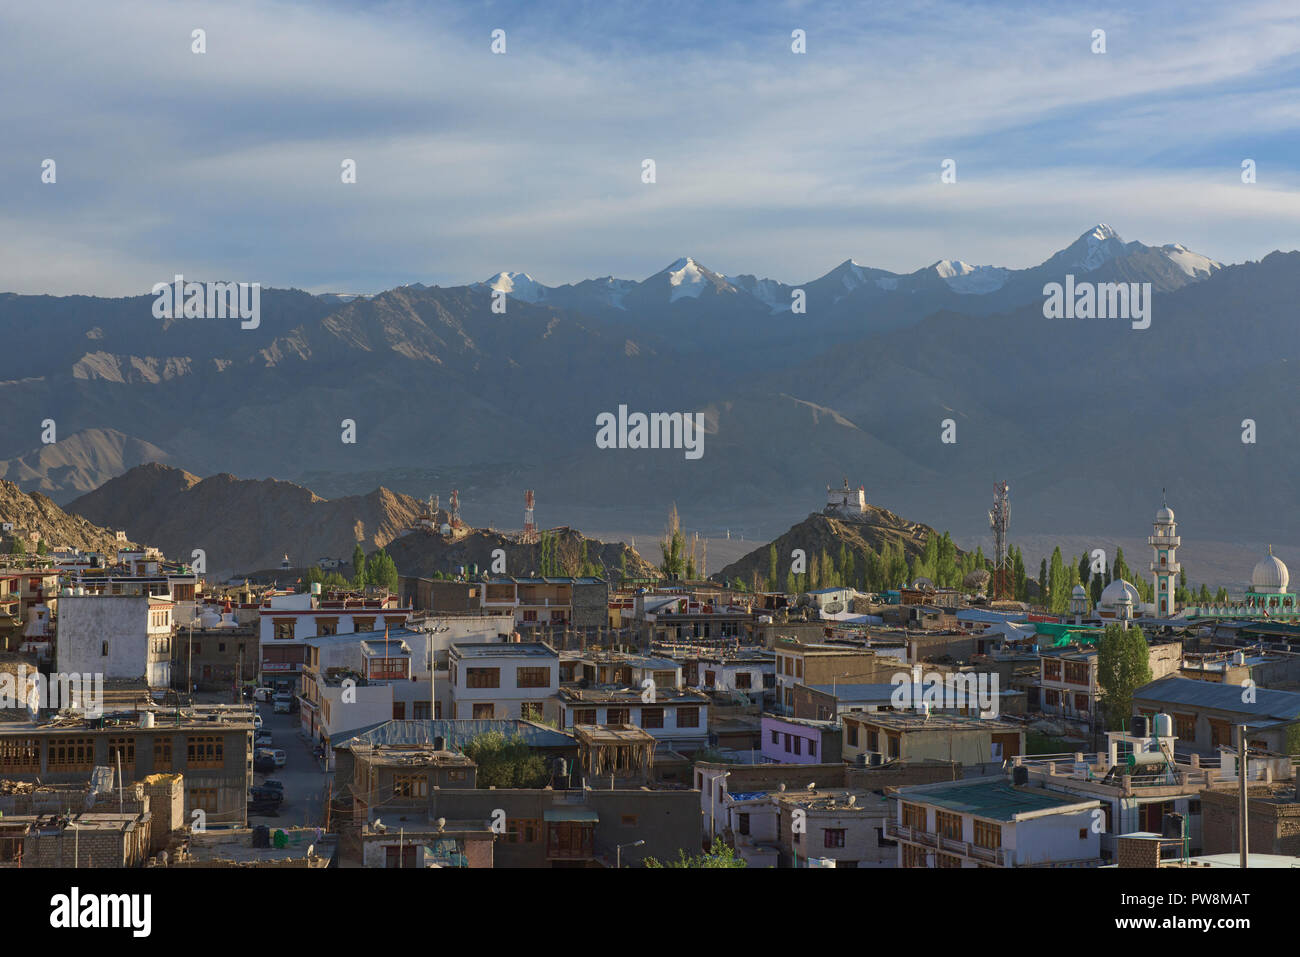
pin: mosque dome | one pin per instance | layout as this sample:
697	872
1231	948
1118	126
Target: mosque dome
1079	592
1115	592
1270	575
1165	515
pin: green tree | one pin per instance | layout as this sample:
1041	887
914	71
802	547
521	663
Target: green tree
359	566
673	547
314	574
506	762
1042	582
771	567
1120	568
1085	568
1123	665
381	570
42	547
720	855
1058	594
17	548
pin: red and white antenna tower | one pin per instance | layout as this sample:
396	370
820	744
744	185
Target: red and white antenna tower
999	523
530	525
455	508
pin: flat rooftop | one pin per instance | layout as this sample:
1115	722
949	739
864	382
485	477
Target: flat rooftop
504	649
994	798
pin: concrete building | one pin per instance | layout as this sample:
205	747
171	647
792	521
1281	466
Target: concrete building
990	822
790	740
1206	714
510	680
118	636
883	736
677	719
287	621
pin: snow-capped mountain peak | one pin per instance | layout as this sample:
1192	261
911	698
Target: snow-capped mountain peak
518	285
962	277
1193	264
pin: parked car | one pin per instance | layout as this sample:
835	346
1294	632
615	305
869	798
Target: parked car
282	703
262	694
260	793
263	762
278	756
273	784
257	721
262	739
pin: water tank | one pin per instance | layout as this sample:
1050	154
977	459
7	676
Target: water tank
261	836
1020	776
146	719
1162	726
315	588
1141	726
1238	657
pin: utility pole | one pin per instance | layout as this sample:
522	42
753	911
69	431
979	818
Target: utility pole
1243	829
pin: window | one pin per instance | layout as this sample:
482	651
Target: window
812	747
532	677
71	754
946	860
776	737
162	753
523	831
988	834
913	856
363	624
125	748
652	717
204	799
1076	672
283	629
742	823
742	680
948	825
20	755
411	785
688	717
618	716
482	678
557	616
457	775
205	751
851	732
628	820
584	715
103	649
484	710
399	710
421	711
1051	669
399	855
914	816
787	744
531	710
1185	726
833	837
873	740
798	744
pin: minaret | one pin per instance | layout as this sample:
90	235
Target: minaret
1164	543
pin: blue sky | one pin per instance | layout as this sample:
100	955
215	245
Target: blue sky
226	164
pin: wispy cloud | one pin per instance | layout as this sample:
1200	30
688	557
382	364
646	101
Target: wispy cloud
227	164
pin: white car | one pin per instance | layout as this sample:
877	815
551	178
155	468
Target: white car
257	721
282	703
275	754
262	739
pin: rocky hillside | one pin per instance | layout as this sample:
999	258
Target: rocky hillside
244	523
33	512
420	554
78	463
820	533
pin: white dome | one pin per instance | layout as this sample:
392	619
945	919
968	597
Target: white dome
1116	591
1270	575
1166	514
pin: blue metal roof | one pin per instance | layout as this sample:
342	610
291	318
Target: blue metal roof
1268	703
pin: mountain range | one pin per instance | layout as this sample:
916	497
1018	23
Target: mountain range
1088	419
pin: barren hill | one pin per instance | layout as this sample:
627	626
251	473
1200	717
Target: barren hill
820	533
33	512
244	523
420	554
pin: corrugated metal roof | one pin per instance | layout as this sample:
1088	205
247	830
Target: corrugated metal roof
1268	703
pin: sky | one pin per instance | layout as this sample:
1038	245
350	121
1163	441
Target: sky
227	164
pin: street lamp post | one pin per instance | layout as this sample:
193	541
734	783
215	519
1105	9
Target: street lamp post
618	852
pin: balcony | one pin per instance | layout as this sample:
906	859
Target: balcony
1000	857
